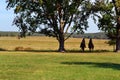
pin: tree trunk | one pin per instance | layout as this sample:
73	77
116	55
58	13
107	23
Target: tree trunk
118	38
61	37
117	27
61	43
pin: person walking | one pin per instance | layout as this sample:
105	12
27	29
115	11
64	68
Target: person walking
90	45
83	45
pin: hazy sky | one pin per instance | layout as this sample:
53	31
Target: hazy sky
7	16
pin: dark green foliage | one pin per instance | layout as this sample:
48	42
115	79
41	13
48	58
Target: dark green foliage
51	17
109	19
31	14
111	42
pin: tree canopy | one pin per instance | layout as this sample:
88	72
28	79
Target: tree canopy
51	17
109	19
32	14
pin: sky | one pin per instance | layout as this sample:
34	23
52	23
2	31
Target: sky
7	17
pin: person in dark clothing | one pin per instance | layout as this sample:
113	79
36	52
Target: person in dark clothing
90	45
82	45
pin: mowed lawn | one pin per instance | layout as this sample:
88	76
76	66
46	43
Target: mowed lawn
44	63
59	66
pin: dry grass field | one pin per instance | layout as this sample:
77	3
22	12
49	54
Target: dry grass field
48	43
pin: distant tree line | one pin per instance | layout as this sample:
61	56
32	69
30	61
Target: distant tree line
100	35
11	34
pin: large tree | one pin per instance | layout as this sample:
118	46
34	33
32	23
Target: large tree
51	17
109	18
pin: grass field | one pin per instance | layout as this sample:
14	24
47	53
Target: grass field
42	62
46	43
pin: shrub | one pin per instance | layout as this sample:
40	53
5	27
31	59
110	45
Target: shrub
19	49
23	49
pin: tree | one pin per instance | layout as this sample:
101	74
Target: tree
117	9
109	19
51	17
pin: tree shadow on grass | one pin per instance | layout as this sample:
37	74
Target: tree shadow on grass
87	51
95	64
38	50
67	51
29	49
